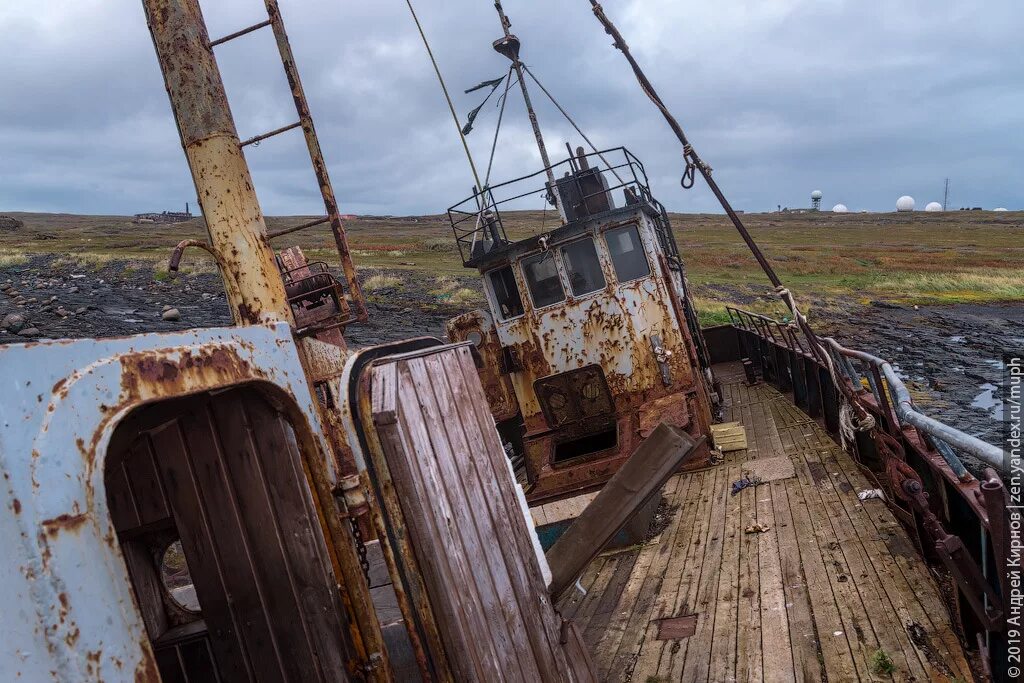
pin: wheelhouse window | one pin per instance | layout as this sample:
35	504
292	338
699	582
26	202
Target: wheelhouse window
627	252
582	267
506	294
542	279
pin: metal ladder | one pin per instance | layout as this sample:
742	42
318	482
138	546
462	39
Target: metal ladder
305	121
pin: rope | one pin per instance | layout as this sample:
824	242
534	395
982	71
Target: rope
568	118
497	128
865	421
693	164
447	97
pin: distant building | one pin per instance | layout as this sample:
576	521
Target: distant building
164	216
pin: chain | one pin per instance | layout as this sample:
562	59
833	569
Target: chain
357	534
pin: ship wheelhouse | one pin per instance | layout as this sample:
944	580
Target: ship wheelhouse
589	327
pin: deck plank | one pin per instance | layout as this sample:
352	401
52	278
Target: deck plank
878	588
682	571
829	583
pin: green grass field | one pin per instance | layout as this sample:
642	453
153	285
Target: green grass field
954	257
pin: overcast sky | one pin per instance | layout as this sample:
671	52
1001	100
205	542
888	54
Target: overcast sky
865	100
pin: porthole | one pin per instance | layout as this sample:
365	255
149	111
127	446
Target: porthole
176	578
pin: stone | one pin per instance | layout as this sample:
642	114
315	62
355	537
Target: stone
81	309
29	332
171	315
12	322
10	223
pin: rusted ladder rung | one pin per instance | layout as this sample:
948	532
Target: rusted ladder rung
316	158
276	131
238	34
296	228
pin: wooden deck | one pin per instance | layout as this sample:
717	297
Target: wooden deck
832	583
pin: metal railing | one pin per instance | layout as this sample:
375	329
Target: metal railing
940	432
958	517
478	218
891	393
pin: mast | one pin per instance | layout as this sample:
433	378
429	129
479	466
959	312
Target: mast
238	233
509	47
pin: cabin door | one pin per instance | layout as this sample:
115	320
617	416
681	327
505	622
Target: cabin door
223	544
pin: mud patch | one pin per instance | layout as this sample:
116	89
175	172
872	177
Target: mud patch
921	639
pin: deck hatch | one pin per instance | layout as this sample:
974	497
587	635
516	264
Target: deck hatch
677	628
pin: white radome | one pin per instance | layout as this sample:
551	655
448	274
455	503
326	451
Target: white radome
905	203
933	206
1000	209
816	194
840	208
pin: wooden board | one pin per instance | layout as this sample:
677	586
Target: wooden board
812	598
729	436
465	521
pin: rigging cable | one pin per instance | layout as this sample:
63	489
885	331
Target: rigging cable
573	123
695	163
497	128
444	88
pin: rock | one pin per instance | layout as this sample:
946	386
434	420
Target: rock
63	312
5	286
30	332
45	308
171	314
72	290
167	308
31	300
9	223
81	309
12	322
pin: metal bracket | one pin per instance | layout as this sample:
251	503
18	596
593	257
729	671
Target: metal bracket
661	354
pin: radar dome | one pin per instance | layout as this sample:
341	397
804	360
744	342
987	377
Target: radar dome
933	206
999	209
840	208
816	194
905	203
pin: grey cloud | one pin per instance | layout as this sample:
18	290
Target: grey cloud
865	101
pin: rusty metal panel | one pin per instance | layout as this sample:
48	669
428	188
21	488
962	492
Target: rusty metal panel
63	581
609	328
478	327
677	628
467	521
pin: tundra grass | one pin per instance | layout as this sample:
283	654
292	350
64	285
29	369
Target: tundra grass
953	257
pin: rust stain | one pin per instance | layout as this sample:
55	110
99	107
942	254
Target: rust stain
72	637
167	372
146	670
64	522
16	504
